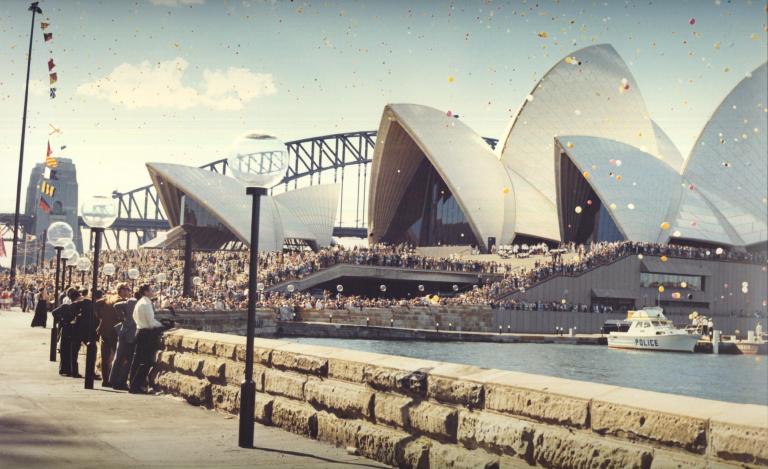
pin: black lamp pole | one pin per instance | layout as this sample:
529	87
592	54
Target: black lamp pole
34	9
82	277
69	274
90	351
248	388
54	336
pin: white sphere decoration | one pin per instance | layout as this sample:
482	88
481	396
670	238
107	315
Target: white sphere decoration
455	287
291	288
382	288
99	211
161	277
258	160
421	287
109	269
230	284
197	281
73	260
59	234
83	264
69	250
339	288
133	273
260	286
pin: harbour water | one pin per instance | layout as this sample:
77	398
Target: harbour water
734	378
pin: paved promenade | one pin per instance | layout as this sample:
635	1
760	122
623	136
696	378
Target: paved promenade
50	421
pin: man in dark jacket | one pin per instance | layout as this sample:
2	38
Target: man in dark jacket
107	317
85	328
126	342
65	317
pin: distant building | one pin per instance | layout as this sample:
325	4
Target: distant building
45	205
582	161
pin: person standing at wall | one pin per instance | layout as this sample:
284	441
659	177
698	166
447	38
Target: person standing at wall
148	331
107	317
126	338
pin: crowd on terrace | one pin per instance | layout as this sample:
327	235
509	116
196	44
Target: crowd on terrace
220	277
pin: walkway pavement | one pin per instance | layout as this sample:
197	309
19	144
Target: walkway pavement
51	421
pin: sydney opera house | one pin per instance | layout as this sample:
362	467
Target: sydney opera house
582	161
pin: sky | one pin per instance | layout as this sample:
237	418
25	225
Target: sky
179	80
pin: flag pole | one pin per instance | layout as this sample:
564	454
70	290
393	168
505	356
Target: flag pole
34	9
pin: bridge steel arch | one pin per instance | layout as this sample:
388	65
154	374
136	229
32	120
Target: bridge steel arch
140	214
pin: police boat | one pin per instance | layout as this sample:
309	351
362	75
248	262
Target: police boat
650	330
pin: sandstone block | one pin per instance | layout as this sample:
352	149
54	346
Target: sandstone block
262	412
667	429
337	431
213	369
284	383
188	363
189	344
194	390
398	380
557	447
380	443
206	346
743	444
348	400
164	358
538	405
172	341
260	355
225	350
296	417
298	362
434	420
346	370
391	409
414	454
225	398
235	371
452	456
455	391
497	433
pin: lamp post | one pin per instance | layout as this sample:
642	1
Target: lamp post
82	266
196	281
59	234
66	253
71	264
34	9
161	278
259	162
133	274
98	212
109	270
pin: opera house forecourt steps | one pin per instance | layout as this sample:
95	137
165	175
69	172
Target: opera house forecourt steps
417	414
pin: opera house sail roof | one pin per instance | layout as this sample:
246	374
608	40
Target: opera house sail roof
214	203
615	173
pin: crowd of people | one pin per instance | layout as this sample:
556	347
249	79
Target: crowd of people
220	279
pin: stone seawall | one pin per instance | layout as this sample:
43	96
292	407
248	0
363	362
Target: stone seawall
425	414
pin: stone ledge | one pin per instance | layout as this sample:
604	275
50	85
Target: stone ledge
434	420
392	409
294	416
284	383
347	400
497	433
741	435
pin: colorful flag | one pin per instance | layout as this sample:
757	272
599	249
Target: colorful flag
53	78
53	93
50	161
51	65
44	25
47	36
48	189
44	205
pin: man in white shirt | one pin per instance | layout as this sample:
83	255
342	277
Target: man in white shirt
147	338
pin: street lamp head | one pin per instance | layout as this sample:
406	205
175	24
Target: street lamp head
68	250
258	160
59	234
291	288
99	211
197	281
109	269
230	284
133	274
73	260
83	264
161	277
260	286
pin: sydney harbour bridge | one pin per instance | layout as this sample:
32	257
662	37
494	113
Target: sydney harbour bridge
343	158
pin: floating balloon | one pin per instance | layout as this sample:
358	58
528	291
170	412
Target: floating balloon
505	190
640	256
664	258
683	284
585	174
589	201
421	287
692	21
664	225
529	98
569	145
577	209
450	79
613	206
677	233
543	34
661	288
676	295
631	206
719	251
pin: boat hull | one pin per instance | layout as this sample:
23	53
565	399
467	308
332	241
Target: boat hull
662	343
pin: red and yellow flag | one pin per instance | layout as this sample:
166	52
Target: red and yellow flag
50	161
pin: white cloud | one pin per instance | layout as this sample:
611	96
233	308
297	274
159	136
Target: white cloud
160	85
175	3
